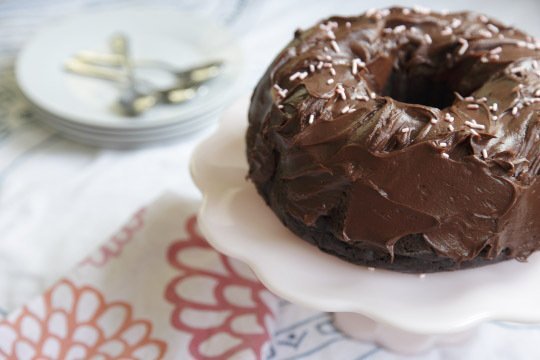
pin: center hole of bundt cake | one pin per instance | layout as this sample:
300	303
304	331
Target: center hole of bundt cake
423	89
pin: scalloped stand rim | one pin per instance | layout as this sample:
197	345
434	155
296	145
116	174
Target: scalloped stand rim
437	321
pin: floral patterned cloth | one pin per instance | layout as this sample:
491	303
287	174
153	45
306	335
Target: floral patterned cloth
157	290
154	290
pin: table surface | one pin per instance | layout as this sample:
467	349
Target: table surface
60	199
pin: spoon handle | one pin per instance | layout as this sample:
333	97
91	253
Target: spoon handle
120	46
81	68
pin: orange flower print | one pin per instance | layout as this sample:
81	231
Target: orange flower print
113	247
218	301
70	322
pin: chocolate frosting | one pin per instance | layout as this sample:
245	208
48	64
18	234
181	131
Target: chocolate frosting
401	122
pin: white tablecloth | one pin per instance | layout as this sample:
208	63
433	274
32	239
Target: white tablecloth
59	199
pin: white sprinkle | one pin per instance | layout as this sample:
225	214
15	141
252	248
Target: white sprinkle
399	29
484	59
328	57
474	132
372	95
531	46
371	269
455	23
421	10
361	97
428	39
443	144
341	91
494	107
355	64
333	71
485	33
405	130
469	98
494	118
331	35
345	109
311	68
537	93
422	276
445	156
387	30
406	11
298	75
351	110
496	50
329	26
515	110
371	12
446	31
330	81
448	118
464	46
328	65
434	121
493	28
311	119
348	25
335	46
280	106
474	125
320	65
521	44
451	127
494	57
483	99
281	92
473	106
483	18
484	153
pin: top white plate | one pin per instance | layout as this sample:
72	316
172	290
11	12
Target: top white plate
237	222
178	38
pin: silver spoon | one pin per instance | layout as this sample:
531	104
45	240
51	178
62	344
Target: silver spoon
136	103
142	99
193	75
130	95
197	74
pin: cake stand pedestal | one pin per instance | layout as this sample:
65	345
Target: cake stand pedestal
403	312
361	327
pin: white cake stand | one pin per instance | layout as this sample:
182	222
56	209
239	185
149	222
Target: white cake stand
403	312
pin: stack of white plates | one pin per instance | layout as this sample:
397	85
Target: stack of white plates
83	108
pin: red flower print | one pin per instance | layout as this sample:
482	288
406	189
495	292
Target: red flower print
113	247
217	300
70	322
